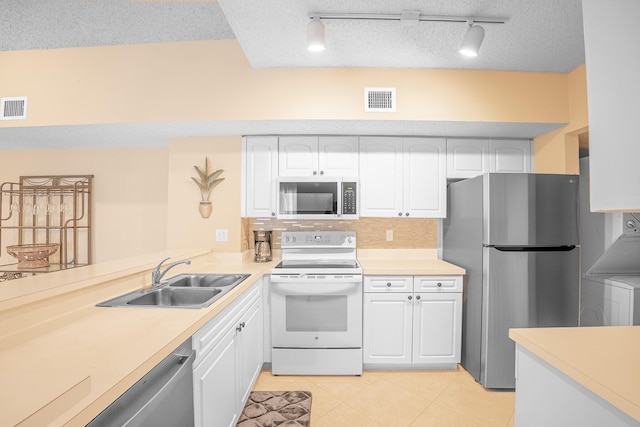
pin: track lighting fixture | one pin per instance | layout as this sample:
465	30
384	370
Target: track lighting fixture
472	40
470	45
315	35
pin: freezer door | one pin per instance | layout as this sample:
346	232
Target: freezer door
530	209
523	289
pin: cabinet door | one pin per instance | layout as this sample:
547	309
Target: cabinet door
250	351
510	156
338	156
387	328
437	319
424	178
381	176
261	174
618	309
298	156
215	385
467	158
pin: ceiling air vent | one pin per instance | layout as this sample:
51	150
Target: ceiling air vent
14	108
380	99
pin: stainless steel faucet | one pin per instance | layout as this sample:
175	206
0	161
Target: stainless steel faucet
156	274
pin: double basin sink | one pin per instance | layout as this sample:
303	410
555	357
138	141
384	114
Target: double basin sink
181	291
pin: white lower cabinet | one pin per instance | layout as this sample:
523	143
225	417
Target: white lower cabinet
228	360
419	328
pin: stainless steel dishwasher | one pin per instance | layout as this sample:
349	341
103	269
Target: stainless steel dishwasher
162	398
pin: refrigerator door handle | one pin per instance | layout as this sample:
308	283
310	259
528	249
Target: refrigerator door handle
564	248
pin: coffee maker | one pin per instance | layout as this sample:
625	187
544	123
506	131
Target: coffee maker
262	250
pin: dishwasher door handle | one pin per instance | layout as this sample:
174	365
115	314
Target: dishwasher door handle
185	364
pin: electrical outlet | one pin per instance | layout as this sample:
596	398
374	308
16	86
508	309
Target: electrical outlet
222	235
389	235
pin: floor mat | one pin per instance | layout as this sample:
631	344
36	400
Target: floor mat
277	408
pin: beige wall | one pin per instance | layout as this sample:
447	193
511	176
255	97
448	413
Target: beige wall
185	227
557	151
130	193
212	80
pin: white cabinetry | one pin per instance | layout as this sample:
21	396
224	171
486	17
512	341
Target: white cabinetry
622	301
545	396
412	320
509	156
610	31
318	156
403	177
261	173
229	356
467	158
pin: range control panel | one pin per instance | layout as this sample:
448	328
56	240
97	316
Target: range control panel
337	239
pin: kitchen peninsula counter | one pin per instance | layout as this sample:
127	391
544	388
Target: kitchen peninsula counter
63	360
601	360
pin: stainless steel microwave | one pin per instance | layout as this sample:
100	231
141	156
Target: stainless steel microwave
317	198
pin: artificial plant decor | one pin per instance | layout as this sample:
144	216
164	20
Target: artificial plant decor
206	182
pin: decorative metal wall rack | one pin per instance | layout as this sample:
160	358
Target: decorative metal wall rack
46	211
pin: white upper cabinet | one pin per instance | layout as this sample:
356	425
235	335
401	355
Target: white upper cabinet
381	178
510	156
467	158
425	179
403	177
318	156
611	34
261	173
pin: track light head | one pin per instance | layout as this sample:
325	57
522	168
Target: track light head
472	40
315	35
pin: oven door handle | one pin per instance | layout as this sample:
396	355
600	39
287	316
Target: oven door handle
337	288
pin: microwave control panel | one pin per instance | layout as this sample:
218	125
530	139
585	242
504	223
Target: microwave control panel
349	204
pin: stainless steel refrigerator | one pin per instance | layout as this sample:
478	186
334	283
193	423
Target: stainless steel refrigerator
517	237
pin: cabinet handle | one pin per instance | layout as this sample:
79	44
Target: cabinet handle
399	213
315	172
410	297
418	297
321	172
273	214
407	214
389	284
240	327
439	284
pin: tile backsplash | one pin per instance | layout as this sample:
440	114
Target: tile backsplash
408	233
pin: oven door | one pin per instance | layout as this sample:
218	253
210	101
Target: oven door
316	311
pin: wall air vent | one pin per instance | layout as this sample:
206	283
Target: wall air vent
380	99
13	108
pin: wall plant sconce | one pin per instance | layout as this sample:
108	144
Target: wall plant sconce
206	182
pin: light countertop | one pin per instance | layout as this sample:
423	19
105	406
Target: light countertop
605	360
405	262
63	360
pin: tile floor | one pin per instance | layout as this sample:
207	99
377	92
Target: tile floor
399	399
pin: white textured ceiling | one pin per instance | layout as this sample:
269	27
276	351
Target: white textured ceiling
540	35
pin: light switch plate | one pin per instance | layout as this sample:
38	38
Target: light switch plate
222	235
